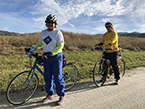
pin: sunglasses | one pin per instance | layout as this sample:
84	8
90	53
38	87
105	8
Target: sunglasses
50	22
108	26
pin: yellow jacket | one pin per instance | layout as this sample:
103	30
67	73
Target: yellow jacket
110	38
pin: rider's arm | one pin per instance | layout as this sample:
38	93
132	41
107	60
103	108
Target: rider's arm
101	43
58	48
38	45
98	46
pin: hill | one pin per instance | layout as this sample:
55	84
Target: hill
133	34
7	33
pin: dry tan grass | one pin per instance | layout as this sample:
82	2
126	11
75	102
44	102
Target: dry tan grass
132	43
80	41
73	42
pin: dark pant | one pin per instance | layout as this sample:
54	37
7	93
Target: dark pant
113	60
53	73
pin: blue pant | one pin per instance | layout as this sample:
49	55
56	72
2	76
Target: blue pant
53	71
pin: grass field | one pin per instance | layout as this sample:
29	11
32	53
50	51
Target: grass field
85	60
13	59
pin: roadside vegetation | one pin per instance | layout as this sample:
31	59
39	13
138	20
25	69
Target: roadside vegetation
78	48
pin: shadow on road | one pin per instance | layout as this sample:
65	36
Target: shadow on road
35	101
39	95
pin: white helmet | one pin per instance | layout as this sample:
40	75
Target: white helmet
108	24
52	18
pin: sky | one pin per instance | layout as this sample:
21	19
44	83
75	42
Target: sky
77	16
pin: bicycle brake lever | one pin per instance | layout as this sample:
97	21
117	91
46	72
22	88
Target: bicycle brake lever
27	49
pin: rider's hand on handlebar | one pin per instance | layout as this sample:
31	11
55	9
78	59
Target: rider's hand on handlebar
97	48
47	56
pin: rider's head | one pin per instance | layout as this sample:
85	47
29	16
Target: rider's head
51	18
51	21
109	26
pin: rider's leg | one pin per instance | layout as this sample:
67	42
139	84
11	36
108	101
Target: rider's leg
57	72
113	60
48	77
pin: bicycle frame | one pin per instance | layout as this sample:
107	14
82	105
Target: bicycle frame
110	66
35	66
103	48
28	81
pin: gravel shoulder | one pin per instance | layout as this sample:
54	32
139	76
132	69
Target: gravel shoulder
129	94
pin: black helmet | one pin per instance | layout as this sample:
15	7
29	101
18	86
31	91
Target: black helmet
108	24
52	18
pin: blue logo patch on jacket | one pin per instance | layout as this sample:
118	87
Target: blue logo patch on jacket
47	40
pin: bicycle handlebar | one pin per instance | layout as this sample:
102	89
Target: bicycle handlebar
33	54
38	57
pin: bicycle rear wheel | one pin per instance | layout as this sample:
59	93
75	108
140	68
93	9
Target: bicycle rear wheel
121	66
98	71
20	90
70	76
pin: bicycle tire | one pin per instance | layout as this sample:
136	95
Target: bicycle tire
97	73
71	71
17	93
121	66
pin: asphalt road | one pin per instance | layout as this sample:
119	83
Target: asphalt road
129	94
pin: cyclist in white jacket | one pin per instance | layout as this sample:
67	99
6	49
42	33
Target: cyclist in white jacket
52	41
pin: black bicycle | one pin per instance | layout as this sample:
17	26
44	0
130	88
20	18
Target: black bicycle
23	86
100	68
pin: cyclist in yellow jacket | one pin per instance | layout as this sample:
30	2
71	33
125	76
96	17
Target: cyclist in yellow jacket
110	39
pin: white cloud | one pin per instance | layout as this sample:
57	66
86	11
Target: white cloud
71	25
100	29
73	8
105	20
80	15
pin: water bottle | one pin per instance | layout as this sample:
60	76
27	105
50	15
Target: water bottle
31	51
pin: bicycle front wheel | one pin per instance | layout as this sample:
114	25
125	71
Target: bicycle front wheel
21	88
121	66
98	72
70	76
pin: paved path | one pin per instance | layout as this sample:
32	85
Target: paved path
129	94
